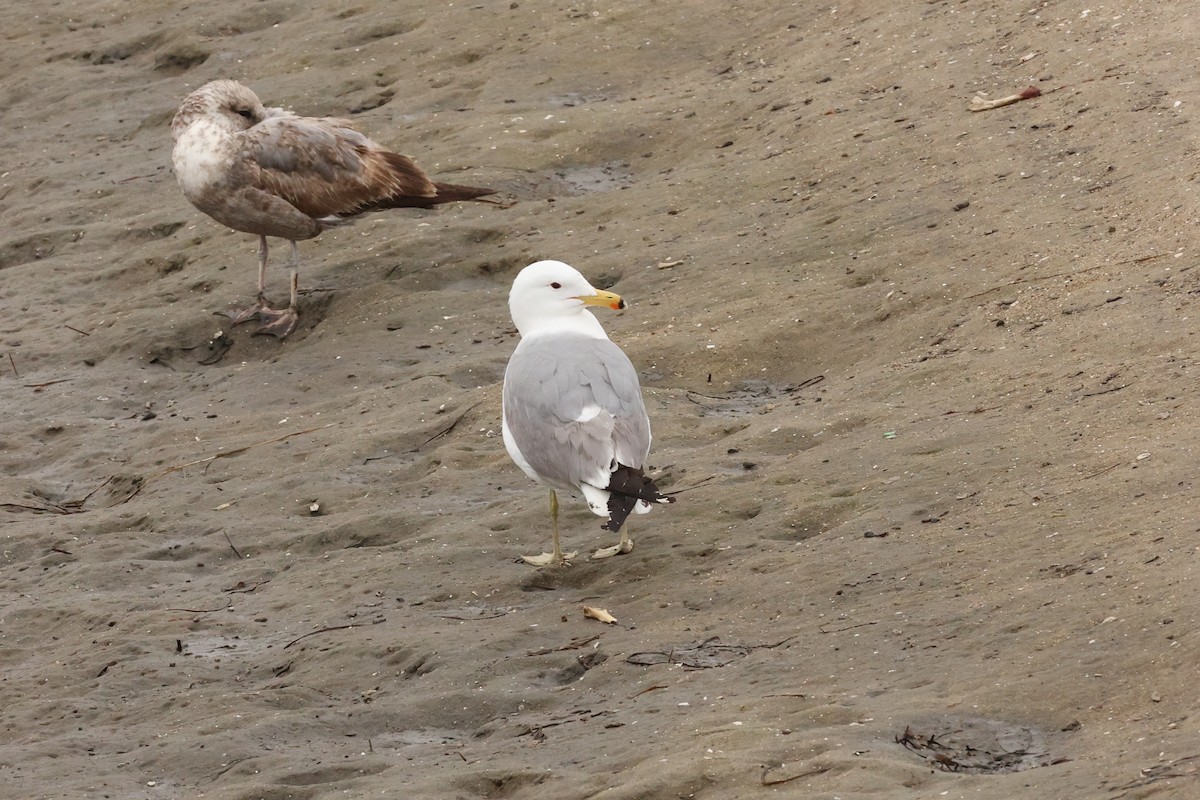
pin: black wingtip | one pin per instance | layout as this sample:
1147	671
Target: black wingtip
626	487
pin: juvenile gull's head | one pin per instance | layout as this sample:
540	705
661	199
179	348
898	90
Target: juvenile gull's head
226	104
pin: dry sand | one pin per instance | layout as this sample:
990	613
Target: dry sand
921	376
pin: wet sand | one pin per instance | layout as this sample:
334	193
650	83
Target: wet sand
919	375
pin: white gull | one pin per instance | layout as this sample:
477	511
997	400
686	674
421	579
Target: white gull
573	415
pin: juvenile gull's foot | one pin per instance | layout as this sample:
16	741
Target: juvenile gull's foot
279	323
546	559
619	549
239	315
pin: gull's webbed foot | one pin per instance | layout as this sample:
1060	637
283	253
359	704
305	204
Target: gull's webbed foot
619	549
279	323
239	315
546	559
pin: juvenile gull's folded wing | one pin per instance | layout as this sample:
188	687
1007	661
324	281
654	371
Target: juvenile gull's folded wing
324	168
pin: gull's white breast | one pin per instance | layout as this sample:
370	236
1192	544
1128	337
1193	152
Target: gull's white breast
202	157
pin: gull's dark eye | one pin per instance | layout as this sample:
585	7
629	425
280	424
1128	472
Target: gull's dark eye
244	113
555	285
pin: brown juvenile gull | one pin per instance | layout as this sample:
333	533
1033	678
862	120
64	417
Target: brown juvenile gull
269	172
573	415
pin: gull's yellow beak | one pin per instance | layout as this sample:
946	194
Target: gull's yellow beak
606	299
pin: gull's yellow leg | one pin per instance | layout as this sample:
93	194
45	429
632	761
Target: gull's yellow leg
620	548
558	556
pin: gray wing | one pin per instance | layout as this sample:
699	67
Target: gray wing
574	407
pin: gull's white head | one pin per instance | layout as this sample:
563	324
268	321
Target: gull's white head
226	104
551	294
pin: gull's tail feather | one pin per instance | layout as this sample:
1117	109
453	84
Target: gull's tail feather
414	190
625	488
446	193
453	192
399	183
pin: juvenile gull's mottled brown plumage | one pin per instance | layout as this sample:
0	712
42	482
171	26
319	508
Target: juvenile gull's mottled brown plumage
270	172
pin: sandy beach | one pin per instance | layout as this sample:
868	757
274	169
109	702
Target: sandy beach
917	374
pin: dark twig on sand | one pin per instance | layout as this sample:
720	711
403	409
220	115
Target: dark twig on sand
231	547
68	507
201	610
242	588
1109	390
88	496
711	652
52	509
1102	470
807	383
1176	768
319	630
37	387
471	613
848	627
84	333
230	765
447	430
437	435
574	644
236	451
578	716
12	363
776	781
1069	274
